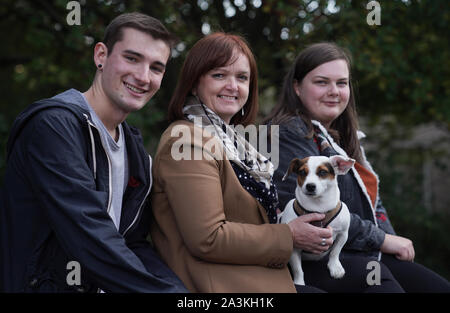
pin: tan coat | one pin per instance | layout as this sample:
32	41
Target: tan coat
212	233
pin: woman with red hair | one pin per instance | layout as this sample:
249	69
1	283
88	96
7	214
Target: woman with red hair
213	198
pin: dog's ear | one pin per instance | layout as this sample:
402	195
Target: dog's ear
294	166
341	164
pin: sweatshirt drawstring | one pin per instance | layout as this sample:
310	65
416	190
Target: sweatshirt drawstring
92	146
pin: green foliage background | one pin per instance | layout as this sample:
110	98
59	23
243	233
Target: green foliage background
401	69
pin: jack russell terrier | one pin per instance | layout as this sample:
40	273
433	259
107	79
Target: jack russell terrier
317	191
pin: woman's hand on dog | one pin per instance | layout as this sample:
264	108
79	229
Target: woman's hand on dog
308	237
401	247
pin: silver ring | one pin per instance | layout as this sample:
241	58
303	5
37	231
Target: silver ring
323	242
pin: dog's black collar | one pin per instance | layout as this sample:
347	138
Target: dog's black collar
329	216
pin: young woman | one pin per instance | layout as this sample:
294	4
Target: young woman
316	116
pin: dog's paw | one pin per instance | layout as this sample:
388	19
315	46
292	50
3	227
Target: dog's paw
336	270
299	281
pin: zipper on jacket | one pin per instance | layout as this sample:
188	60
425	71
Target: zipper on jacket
142	203
358	178
90	124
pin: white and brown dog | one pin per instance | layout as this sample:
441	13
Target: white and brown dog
317	191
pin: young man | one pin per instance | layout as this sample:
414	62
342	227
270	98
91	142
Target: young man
78	177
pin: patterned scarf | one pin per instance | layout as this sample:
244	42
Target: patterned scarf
253	170
322	142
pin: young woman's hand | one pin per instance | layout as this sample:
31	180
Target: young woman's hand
401	247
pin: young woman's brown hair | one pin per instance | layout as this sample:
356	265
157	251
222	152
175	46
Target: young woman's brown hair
344	127
212	51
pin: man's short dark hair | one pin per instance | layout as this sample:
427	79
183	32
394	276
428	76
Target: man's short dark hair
139	21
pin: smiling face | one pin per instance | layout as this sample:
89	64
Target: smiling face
132	72
225	89
325	91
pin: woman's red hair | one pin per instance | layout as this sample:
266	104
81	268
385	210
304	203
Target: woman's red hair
212	51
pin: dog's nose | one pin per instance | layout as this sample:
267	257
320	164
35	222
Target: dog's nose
311	187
